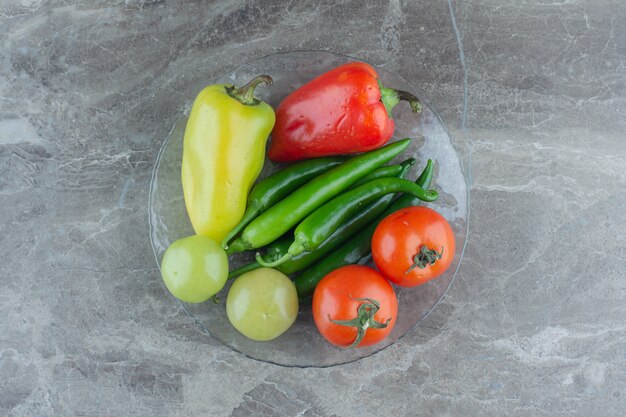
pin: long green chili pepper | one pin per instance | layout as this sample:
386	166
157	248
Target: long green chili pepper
320	224
279	185
295	207
279	247
359	245
382	172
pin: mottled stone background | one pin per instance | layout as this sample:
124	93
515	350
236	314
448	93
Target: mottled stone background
535	323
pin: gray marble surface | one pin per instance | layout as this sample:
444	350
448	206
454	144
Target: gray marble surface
534	324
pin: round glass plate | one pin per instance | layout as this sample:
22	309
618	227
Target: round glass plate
302	345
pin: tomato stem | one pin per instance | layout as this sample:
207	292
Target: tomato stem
245	94
424	258
364	319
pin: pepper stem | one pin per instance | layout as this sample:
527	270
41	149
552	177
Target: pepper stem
272	264
243	269
390	97
236	246
424	258
251	212
364	319
245	94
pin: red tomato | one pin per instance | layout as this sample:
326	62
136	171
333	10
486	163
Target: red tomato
413	246
354	306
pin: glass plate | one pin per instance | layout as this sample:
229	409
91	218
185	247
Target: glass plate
302	345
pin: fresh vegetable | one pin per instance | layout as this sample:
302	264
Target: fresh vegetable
279	248
262	304
382	172
194	268
254	209
413	246
345	110
287	213
278	186
223	154
320	224
357	247
354	306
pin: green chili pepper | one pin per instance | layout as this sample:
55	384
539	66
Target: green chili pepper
287	213
278	186
358	246
279	247
382	172
320	224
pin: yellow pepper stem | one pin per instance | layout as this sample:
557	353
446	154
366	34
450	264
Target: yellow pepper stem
245	94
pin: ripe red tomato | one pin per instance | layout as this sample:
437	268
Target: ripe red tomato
413	246
354	306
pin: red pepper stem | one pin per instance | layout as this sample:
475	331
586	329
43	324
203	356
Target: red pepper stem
245	94
390	97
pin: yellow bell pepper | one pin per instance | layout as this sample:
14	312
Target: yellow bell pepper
223	154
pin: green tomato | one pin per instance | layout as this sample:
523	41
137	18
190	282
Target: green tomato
262	304
194	268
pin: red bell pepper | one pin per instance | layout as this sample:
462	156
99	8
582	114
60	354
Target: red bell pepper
343	111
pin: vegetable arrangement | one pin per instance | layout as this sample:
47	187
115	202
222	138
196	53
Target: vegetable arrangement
312	223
